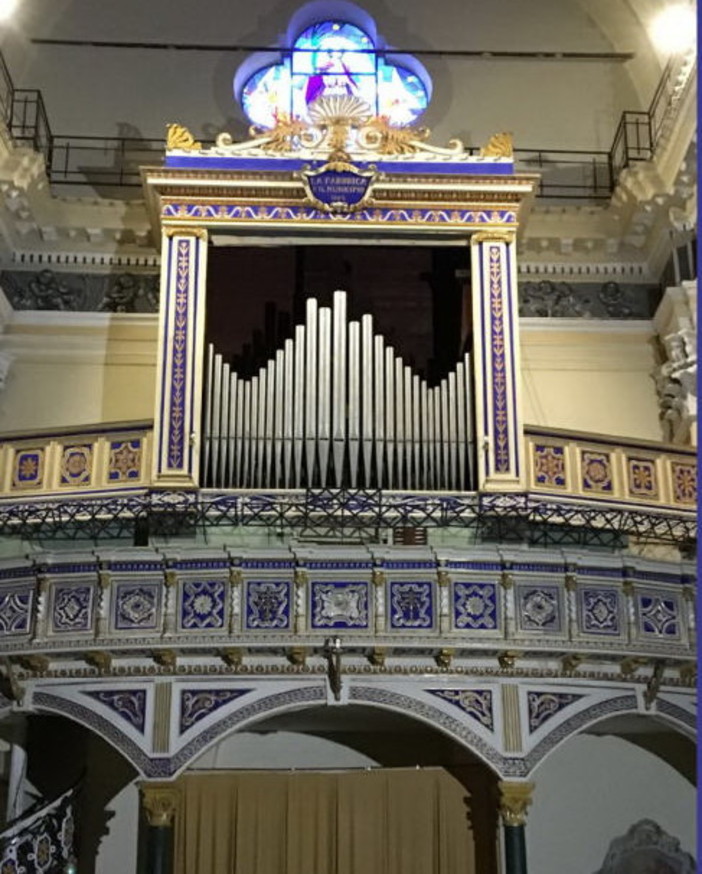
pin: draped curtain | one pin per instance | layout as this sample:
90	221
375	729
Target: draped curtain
360	822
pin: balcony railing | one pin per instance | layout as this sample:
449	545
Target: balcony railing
114	162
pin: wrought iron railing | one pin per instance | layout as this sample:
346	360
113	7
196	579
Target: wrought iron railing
114	162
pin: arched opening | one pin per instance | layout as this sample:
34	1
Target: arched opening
615	773
354	766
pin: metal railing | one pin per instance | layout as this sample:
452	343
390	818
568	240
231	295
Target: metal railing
114	162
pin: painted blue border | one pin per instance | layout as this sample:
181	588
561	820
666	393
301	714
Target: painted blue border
431	168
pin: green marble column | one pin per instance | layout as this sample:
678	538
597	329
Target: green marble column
160	803
515	798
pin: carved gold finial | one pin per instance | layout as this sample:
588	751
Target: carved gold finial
514	799
499	146
179	137
160	803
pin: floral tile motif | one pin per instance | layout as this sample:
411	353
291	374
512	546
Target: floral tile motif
125	461
597	471
267	604
15	610
76	465
136	606
539	608
28	471
549	466
130	704
659	616
411	605
196	704
641	477
599	610
202	605
339	605
684	482
475	606
477	703
543	706
72	609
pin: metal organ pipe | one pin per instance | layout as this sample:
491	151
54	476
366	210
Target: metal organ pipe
336	407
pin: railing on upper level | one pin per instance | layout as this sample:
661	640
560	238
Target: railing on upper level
114	162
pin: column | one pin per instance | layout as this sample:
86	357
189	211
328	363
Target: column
515	797
180	353
496	362
160	803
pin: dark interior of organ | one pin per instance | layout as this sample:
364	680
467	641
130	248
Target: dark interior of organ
305	387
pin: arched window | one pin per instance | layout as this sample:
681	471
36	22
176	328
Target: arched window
332	58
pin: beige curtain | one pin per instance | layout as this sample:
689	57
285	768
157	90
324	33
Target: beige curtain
360	822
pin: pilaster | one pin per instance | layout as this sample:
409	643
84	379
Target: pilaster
180	352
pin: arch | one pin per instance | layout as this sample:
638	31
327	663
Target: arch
671	714
293	699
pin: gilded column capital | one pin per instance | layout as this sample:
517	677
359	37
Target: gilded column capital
160	801
496	236
200	233
515	797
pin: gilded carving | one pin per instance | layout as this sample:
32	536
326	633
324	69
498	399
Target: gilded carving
179	137
233	657
492	237
498	146
515	798
443	658
99	659
379	135
198	233
376	657
297	655
507	659
160	803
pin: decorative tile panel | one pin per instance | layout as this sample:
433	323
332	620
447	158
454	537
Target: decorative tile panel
28	470
475	606
202	604
15	610
550	466
125	460
339	605
658	615
684	482
267	605
130	704
137	606
596	471
72	608
411	604
599	610
76	465
196	704
539	608
476	703
543	706
641	478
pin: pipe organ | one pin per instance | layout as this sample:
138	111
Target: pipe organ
337	408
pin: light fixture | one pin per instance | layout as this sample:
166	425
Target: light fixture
7	9
673	30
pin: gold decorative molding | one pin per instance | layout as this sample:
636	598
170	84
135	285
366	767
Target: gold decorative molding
498	146
515	798
199	233
179	137
99	659
492	237
160	802
507	658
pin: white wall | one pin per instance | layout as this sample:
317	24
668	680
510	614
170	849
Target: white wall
106	91
591	790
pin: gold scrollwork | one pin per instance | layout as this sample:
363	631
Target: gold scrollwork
492	237
179	137
160	803
498	146
515	798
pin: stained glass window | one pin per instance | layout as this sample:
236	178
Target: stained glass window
335	59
